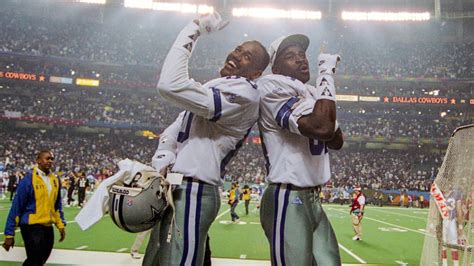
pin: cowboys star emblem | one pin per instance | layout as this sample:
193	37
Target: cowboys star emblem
155	215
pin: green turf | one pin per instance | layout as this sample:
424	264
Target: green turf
390	234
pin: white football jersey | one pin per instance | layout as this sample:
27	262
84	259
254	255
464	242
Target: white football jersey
205	144
219	114
291	157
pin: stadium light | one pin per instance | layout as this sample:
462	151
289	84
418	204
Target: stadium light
101	2
144	4
166	6
276	13
385	16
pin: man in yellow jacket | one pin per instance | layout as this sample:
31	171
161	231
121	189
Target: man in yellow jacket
35	208
246	197
234	195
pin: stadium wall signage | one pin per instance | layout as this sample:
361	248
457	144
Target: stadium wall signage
52	79
419	100
21	76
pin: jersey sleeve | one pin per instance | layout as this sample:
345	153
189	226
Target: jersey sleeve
18	206
210	100
281	98
232	97
174	83
165	154
59	219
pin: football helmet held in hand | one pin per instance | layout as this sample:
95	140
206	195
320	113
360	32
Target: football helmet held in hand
138	208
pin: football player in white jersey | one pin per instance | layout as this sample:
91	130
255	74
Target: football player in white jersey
298	125
219	114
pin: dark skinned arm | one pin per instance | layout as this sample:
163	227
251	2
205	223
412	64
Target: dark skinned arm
321	122
337	142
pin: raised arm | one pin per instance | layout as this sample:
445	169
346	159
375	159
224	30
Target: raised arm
174	84
320	124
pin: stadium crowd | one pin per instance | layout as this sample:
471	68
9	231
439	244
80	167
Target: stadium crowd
139	44
97	154
103	105
390	126
385	169
148	109
87	153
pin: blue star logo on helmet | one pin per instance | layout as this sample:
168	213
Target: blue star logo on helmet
156	215
297	201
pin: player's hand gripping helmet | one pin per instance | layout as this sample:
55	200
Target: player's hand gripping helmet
137	207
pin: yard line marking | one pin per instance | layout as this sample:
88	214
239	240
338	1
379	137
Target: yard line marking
415	217
243	256
414	210
82	247
352	254
399	226
222	214
16	231
394	225
401	262
121	250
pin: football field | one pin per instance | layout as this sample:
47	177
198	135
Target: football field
391	235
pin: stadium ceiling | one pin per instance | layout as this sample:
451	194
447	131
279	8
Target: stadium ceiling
450	9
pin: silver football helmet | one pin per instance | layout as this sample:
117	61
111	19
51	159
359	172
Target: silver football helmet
137	207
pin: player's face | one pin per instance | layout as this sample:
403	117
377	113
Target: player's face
244	61
292	62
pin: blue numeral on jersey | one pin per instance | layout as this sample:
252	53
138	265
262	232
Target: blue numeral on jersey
317	149
183	134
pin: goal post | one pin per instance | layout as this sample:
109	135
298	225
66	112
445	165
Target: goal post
450	225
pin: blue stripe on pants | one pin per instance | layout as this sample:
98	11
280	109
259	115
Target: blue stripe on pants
198	218
282	226
275	215
189	187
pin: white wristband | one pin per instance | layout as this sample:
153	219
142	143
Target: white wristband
162	159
